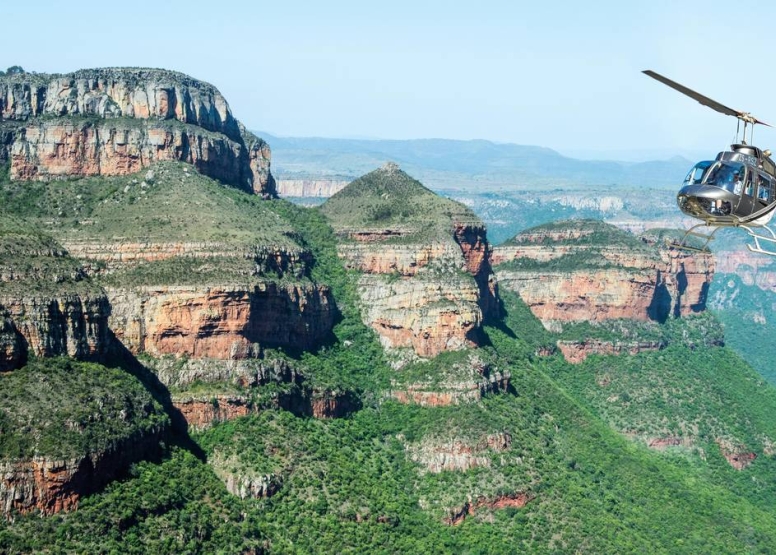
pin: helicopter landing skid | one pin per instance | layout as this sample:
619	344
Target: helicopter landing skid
707	238
758	237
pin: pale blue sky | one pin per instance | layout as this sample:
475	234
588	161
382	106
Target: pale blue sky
560	74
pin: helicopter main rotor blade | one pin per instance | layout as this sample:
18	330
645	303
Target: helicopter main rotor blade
705	100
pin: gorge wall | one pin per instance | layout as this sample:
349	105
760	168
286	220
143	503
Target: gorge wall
566	282
114	121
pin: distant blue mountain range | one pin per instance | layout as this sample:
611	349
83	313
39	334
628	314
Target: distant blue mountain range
450	164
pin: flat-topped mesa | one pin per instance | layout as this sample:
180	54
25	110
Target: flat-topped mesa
426	280
115	121
587	270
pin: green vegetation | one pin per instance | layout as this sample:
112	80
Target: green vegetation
60	409
578	233
354	359
597	246
389	198
34	263
171	202
357	484
746	311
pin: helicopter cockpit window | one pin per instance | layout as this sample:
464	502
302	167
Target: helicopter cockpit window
727	175
696	174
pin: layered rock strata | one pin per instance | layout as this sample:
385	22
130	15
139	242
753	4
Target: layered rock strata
576	352
69	325
51	486
650	283
220	322
426	284
457	454
511	500
115	121
318	188
464	382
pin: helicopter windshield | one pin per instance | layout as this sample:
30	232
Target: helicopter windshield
695	176
727	175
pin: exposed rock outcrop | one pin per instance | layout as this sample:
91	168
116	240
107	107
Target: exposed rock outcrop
227	323
427	282
319	188
457	454
565	281
243	482
115	121
510	500
576	352
735	453
51	486
70	325
464	382
202	412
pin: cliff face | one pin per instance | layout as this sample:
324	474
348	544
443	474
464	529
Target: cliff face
51	486
220	322
47	305
640	283
426	280
116	121
319	188
69	325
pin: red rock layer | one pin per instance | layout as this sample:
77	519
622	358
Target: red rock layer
639	287
736	455
201	413
52	486
476	252
220	322
510	500
135	117
52	149
576	352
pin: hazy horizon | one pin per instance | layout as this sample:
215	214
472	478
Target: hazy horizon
552	75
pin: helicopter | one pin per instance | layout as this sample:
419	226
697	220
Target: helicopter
736	189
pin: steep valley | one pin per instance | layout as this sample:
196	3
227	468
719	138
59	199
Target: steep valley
190	365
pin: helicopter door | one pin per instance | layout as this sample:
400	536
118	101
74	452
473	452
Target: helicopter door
764	190
746	203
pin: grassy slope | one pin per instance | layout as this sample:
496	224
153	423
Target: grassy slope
178	204
387	198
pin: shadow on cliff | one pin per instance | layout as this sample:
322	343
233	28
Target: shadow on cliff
120	357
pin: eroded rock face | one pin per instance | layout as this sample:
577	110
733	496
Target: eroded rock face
514	500
430	297
70	325
735	453
455	454
13	352
117	121
637	287
244	482
52	486
320	188
202	412
226	323
465	383
576	352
